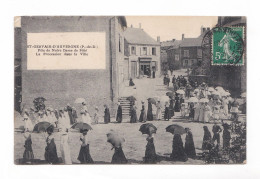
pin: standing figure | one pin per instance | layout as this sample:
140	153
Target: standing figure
216	134
27	121
150	154
66	118
142	117
50	151
64	147
28	152
226	136
133	118
225	105
106	114
167	113
207	142
196	111
178	153
84	154
173	80
207	113
96	115
171	107
177	104
189	144
158	110
183	109
131	83
119	113
192	111
150	111
188	90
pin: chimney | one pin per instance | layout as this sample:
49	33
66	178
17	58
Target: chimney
173	40
158	39
204	29
131	25
208	29
182	37
140	25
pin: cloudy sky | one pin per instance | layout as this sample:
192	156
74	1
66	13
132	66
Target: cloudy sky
172	27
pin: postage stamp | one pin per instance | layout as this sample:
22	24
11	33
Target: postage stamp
228	46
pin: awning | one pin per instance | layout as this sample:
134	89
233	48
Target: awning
145	59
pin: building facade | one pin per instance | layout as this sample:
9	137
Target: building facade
59	87
143	54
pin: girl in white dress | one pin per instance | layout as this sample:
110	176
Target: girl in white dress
85	115
158	111
207	113
196	111
96	115
64	147
66	118
201	116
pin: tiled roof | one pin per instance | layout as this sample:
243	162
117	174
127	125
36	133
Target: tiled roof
139	36
176	44
191	42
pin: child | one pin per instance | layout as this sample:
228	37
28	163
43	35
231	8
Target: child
27	121
28	152
84	155
96	115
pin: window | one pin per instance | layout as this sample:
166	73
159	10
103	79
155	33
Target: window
133	50
144	51
154	65
177	57
153	51
199	53
119	43
192	62
186	53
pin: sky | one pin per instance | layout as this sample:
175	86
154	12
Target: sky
172	27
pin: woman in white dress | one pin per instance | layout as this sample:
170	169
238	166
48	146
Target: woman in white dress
28	126
158	110
84	114
66	118
225	105
64	147
207	113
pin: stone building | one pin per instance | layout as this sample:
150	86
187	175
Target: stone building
59	87
143	53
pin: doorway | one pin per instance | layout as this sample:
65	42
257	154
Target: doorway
145	68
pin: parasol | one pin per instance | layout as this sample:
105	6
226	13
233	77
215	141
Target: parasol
211	89
114	139
193	100
170	93
41	126
151	100
196	90
81	126
175	129
219	88
180	92
203	100
147	128
79	100
131	98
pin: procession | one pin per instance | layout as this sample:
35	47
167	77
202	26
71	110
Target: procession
137	98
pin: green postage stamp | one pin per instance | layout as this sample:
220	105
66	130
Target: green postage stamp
227	46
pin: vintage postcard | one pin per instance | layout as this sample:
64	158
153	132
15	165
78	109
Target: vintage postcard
130	90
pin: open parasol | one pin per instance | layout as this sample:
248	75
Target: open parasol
148	128
203	100
180	92
193	100
81	126
219	88
175	129
151	100
211	89
131	98
79	100
114	139
41	126
170	93
164	99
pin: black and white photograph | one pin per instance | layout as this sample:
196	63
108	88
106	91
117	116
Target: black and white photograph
130	90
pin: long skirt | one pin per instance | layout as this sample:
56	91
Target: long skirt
159	114
84	155
167	115
150	154
196	114
142	117
119	156
207	116
28	152
51	153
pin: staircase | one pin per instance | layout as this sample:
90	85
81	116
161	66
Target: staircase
125	107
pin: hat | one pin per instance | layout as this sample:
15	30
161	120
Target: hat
83	103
